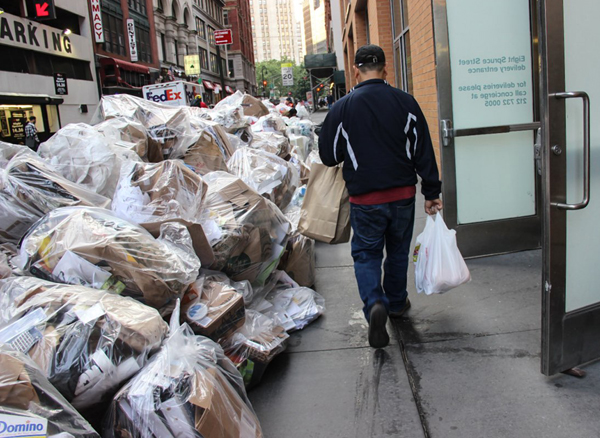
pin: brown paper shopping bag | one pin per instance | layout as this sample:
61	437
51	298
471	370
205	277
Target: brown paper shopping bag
325	214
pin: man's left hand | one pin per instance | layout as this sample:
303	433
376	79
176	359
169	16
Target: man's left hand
432	207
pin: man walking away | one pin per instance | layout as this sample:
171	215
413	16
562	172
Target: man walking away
31	136
380	134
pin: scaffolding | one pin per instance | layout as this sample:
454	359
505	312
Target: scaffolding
322	68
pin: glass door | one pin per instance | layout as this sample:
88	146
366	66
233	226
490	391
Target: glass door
486	59
570	93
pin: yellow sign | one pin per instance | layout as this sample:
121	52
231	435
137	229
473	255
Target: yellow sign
192	65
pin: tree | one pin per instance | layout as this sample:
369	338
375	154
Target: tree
270	71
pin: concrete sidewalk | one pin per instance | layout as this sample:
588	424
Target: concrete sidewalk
464	364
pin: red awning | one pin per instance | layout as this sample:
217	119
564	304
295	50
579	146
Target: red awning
228	89
125	65
208	85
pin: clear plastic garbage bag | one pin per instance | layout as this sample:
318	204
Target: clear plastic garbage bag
84	156
29	402
248	233
212	307
439	265
30	188
252	347
156	192
188	389
94	247
86	342
269	175
272	142
292	307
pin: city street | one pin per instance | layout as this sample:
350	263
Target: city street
465	364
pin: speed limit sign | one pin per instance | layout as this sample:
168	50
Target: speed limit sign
287	74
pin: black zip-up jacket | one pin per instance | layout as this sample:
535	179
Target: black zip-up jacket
380	134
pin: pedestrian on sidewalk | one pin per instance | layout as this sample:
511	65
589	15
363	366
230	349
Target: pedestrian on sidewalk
31	134
380	134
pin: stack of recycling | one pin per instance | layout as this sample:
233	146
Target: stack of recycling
151	268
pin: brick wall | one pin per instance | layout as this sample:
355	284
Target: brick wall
420	19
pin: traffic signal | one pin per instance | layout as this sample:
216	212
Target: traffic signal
44	10
265	84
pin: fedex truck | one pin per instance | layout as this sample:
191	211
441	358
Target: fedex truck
173	93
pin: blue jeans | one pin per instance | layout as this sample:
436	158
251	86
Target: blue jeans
376	226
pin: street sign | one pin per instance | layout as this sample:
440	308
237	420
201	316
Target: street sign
223	37
287	74
133	52
97	21
191	64
44	9
60	84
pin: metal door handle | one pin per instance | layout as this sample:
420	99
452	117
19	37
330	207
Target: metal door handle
447	131
586	148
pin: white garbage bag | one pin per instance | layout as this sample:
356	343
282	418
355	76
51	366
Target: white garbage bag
439	265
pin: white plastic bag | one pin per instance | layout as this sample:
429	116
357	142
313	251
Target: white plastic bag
439	266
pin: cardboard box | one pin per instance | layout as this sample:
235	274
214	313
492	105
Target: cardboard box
205	155
254	107
226	312
201	245
299	260
220	412
16	389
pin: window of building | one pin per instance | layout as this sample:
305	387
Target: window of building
138	6
226	18
142	37
15	59
114	40
163	46
211	36
214	65
402	55
231	70
201	28
204	59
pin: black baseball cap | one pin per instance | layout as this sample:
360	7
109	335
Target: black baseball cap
369	54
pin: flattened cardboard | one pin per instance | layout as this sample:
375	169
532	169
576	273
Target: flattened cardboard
201	245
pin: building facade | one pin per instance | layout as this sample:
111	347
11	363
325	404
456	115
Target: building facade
240	63
315	28
47	69
274	30
187	27
126	50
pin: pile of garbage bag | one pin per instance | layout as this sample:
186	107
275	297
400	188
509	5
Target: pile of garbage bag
152	212
85	341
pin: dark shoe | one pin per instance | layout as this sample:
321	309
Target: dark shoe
378	335
400	313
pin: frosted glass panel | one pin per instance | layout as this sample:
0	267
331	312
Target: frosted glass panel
495	177
490	60
582	36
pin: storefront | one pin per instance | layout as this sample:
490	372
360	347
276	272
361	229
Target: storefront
15	111
208	96
45	72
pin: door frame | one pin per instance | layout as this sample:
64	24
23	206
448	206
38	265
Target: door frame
568	339
490	237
